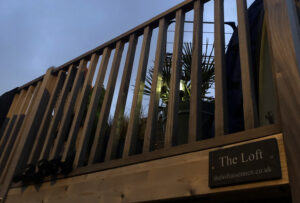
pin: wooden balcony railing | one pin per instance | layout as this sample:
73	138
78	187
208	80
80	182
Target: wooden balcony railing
52	118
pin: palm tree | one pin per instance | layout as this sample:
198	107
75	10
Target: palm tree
208	76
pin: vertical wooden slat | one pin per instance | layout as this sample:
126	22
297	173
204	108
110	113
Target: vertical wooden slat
92	109
196	76
249	98
28	133
284	39
31	103
156	84
28	109
12	121
9	114
120	107
132	130
14	111
58	112
69	109
16	128
220	76
174	99
38	144
99	136
81	106
33	98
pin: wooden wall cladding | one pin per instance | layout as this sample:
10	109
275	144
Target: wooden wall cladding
174	177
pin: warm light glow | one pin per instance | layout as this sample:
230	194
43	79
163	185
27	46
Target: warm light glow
181	85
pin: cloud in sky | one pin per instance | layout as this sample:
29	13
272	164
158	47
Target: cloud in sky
37	34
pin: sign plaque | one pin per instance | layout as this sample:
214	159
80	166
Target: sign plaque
252	162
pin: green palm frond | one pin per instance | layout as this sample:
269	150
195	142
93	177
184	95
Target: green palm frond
207	69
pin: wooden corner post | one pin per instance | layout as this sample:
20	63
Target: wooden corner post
284	38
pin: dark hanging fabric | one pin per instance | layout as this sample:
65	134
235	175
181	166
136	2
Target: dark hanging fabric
233	68
5	102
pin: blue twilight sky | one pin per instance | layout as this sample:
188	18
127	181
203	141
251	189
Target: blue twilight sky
37	34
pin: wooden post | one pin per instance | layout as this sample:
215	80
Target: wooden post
41	135
58	111
81	106
174	99
105	109
114	136
284	37
132	130
92	109
156	84
220	76
249	98
196	76
69	109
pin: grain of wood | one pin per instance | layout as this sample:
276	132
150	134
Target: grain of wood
173	177
283	34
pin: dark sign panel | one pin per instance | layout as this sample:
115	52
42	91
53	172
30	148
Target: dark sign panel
244	163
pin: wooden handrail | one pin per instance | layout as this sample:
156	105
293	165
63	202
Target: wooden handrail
61	115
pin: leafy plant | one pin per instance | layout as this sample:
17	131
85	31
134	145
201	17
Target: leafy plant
208	76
